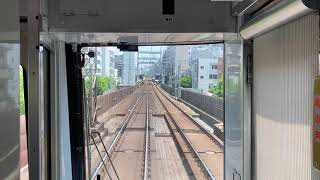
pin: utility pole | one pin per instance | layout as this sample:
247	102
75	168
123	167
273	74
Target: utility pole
92	97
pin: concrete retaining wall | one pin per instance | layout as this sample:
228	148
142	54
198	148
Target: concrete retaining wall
210	108
212	122
209	104
168	89
110	99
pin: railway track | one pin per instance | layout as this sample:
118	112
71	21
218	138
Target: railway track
147	142
192	137
115	140
130	149
166	145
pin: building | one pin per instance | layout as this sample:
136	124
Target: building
117	61
205	68
148	59
93	64
182	58
105	62
113	70
128	76
168	65
106	65
220	67
206	74
175	62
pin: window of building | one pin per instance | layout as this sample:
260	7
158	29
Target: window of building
214	67
201	67
213	76
201	77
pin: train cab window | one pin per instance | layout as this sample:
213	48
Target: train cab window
127	93
24	174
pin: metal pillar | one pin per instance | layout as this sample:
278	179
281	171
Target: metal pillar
35	110
76	109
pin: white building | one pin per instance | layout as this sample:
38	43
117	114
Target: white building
94	64
207	73
204	66
105	61
102	63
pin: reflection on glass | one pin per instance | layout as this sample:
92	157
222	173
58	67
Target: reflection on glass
233	107
9	110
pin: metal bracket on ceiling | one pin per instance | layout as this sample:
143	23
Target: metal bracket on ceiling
312	4
241	7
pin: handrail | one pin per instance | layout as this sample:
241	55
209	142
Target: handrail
108	155
100	156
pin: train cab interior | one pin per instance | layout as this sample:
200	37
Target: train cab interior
162	89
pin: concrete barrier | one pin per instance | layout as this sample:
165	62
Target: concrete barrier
210	108
168	89
209	104
108	100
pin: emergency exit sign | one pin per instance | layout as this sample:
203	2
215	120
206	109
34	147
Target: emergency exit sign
316	124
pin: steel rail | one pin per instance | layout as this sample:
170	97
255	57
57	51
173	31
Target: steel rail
203	165
209	134
114	141
187	165
146	153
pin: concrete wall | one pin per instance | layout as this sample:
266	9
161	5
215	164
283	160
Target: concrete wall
285	65
210	104
110	99
206	106
168	89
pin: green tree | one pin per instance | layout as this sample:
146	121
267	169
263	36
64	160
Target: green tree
103	84
186	81
218	88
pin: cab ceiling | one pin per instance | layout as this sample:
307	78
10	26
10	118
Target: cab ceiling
140	22
141	38
140	16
